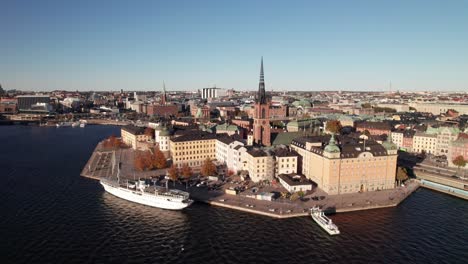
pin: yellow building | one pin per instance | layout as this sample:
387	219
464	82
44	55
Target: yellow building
193	149
348	167
131	135
425	142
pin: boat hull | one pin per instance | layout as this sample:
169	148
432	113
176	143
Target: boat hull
146	198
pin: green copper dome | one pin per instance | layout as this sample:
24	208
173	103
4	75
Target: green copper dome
164	132
388	144
332	147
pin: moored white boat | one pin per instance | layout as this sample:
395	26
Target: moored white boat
324	222
149	195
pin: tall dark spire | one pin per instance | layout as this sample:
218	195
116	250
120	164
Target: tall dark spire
261	96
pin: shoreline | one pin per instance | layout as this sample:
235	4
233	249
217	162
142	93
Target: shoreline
99	166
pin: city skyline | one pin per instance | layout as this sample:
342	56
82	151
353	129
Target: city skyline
362	46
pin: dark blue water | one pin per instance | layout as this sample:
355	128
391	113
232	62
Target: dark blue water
49	214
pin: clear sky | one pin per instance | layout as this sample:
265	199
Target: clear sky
307	45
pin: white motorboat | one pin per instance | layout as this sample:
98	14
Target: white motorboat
324	222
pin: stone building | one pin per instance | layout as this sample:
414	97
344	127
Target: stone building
349	166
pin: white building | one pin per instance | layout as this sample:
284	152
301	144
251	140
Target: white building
295	183
209	93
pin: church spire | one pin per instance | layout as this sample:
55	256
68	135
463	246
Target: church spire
164	96
261	96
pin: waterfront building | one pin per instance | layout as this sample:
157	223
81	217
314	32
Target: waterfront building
445	135
132	135
261	126
295	183
457	148
26	103
193	149
266	163
349	166
224	150
424	142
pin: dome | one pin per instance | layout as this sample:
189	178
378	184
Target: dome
332	147
303	103
388	144
164	132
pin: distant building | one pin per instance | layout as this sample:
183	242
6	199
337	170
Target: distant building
439	108
374	128
27	103
209	93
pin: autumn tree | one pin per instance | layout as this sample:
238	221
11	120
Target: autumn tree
159	160
208	168
402	175
143	160
186	173
139	163
230	173
459	161
173	173
334	126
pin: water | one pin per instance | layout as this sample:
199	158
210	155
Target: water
52	215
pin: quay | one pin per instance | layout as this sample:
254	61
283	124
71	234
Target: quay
448	185
103	162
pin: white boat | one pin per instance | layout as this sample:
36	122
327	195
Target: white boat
154	196
82	125
324	222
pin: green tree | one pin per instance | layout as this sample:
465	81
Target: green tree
402	175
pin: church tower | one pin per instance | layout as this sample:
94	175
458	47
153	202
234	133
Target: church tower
261	125
164	95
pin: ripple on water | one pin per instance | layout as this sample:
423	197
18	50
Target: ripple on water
54	216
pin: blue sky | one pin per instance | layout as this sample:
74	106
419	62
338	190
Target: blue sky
307	45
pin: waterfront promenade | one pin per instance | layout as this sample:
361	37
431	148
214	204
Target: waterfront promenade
101	165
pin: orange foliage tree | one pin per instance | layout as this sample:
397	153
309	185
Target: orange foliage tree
143	160
112	142
173	173
334	126
208	168
186	173
159	160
